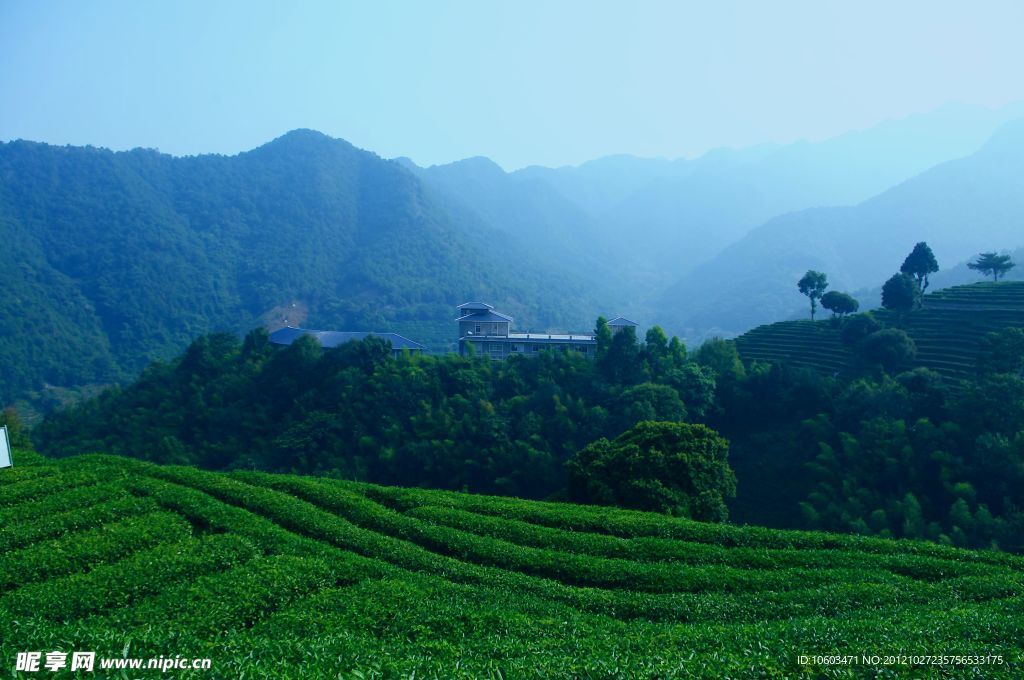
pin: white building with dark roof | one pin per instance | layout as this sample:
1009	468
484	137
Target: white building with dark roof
490	334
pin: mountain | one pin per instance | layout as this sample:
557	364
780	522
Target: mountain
116	259
665	217
554	230
653	220
960	208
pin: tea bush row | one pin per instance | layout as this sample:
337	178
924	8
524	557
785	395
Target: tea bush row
634	524
43	487
20	534
83	549
119	584
61	501
571	568
659	549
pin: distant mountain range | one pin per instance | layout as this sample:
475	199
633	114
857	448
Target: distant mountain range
960	208
665	225
116	259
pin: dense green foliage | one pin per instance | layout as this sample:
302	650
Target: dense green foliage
676	468
293	577
868	442
840	304
117	259
900	293
889	348
910	454
354	412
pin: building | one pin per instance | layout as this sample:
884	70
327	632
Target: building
399	344
620	322
490	334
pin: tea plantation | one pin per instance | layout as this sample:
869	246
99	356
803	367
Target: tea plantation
276	576
947	331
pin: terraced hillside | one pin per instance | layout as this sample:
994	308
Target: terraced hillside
289	577
947	331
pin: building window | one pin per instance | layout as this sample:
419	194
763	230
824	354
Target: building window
478	329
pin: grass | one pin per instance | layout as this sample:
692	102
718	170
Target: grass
279	576
947	331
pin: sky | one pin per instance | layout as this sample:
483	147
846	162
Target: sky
523	82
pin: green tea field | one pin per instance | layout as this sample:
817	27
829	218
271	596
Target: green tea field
947	331
276	576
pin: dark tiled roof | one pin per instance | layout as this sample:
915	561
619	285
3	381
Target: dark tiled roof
485	315
287	335
466	306
622	321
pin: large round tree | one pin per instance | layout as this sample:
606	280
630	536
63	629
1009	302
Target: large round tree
919	264
900	293
677	468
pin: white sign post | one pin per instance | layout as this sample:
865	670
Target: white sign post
5	448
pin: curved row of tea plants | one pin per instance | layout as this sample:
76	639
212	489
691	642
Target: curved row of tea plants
276	576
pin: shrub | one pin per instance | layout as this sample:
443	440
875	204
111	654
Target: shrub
669	467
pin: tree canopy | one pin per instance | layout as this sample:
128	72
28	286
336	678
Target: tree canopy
900	293
992	264
919	264
670	467
840	304
813	285
890	347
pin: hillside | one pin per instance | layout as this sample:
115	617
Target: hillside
960	208
116	259
665	217
947	331
298	577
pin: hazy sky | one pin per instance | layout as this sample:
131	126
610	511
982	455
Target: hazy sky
523	82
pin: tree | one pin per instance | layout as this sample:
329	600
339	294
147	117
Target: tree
603	335
899	293
15	433
919	264
721	356
813	285
656	353
646	401
676	468
840	304
622	363
858	327
1002	352
890	347
991	263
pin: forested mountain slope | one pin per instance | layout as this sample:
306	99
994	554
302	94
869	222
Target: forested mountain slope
114	259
